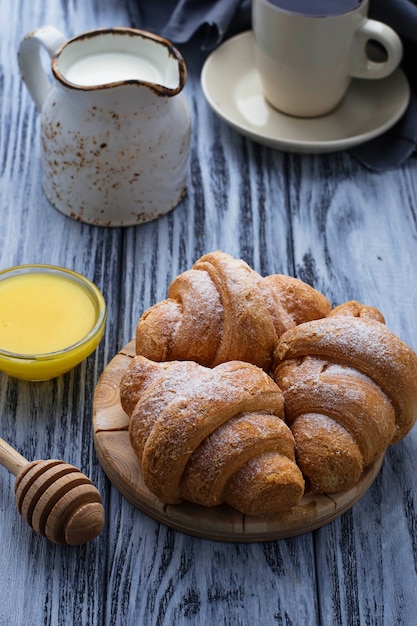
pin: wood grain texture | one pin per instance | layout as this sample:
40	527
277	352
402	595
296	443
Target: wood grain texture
325	219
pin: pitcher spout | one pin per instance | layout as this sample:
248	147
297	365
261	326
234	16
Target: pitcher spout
111	57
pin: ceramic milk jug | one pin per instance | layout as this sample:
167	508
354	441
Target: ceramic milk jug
115	126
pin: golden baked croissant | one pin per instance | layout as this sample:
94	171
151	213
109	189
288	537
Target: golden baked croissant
211	435
222	310
350	390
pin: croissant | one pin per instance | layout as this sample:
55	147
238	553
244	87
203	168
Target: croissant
222	310
210	436
350	390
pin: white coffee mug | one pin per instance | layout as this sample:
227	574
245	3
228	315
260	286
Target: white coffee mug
307	52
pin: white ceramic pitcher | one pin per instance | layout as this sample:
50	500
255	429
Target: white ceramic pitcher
115	127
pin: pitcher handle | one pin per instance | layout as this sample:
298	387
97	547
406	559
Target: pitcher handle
29	59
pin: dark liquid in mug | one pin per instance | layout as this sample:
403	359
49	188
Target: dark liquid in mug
318	8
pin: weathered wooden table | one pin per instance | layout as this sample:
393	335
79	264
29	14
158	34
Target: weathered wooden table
325	219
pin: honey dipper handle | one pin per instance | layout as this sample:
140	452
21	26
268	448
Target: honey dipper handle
10	458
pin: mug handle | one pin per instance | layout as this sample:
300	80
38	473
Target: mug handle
30	64
361	65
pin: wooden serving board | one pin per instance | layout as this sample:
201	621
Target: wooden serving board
221	523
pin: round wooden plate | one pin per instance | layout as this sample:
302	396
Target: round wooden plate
221	523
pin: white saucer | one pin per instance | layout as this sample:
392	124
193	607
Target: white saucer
232	87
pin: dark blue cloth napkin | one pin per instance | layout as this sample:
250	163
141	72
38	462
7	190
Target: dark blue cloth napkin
212	20
208	20
393	147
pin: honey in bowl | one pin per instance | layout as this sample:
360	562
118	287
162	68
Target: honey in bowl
51	319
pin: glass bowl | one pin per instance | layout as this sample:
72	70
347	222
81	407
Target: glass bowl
51	319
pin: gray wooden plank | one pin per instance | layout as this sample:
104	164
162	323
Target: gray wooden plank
232	184
366	561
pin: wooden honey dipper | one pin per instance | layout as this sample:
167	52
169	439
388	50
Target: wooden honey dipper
56	499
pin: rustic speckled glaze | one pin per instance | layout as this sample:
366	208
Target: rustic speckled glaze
114	154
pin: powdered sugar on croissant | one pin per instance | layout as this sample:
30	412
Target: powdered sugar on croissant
211	435
350	389
222	310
